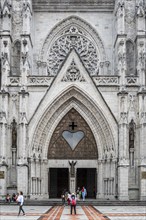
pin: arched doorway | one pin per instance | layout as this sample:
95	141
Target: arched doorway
72	141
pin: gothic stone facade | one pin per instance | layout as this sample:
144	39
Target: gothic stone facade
73	95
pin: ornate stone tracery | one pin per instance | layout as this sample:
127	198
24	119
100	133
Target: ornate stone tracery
73	38
73	33
73	74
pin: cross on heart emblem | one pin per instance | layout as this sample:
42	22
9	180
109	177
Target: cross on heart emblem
73	138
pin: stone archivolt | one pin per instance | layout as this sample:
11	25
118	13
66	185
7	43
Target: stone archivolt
103	133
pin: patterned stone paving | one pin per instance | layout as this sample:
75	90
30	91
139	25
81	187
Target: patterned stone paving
83	213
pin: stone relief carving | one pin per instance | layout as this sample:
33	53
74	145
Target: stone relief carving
7	8
130	20
39	80
73	38
130	58
141	57
120	8
131	80
103	80
122	55
140	8
26	14
73	74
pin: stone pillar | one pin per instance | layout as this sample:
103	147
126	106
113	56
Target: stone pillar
3	180
4	153
44	179
120	42
6	40
142	144
123	154
22	143
22	178
100	189
141	41
26	53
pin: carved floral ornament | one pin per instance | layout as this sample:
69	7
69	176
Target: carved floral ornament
73	74
73	38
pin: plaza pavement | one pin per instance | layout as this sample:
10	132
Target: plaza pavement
9	212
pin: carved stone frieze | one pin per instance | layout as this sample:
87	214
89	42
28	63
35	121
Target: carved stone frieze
131	80
106	80
14	81
73	38
73	74
39	80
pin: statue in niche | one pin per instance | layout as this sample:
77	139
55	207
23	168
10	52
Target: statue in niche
72	167
14	134
131	134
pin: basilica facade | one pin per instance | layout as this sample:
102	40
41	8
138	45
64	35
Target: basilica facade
73	98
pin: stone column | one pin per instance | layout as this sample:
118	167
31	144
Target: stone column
44	179
4	153
142	144
123	154
22	173
100	185
141	41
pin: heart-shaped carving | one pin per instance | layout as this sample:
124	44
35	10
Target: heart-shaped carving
73	138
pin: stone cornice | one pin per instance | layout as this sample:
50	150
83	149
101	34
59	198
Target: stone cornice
73	5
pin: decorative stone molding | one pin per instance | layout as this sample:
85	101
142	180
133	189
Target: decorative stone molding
106	80
132	80
14	81
39	80
73	5
73	74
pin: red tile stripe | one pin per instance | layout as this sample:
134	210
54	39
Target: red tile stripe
93	214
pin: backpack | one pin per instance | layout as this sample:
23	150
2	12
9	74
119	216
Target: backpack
73	201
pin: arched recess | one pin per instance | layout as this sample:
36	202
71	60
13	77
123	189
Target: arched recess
104	132
16	55
130	57
72	139
73	32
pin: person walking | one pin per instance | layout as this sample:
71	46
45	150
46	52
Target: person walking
73	202
20	201
84	193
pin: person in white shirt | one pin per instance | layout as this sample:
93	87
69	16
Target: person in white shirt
20	201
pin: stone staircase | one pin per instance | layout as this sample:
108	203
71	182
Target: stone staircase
93	202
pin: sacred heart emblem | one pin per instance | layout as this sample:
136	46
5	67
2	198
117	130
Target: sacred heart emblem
73	138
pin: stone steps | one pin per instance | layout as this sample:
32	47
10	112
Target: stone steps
52	202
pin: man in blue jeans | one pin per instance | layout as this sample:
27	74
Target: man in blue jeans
20	201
